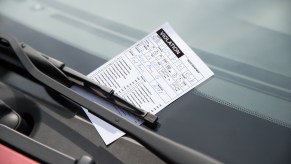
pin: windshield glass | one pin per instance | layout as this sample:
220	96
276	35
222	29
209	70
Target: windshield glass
247	44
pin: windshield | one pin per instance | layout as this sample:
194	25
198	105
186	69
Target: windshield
247	44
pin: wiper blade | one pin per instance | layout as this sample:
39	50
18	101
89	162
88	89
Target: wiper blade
166	149
70	77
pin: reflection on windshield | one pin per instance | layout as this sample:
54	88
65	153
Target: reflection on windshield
245	43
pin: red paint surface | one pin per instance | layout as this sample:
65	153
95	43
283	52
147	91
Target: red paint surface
9	156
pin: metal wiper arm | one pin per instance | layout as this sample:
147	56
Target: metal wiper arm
166	149
69	77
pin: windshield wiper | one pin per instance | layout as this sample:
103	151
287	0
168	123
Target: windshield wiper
53	74
69	77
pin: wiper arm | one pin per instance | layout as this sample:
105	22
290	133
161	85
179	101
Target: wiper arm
71	77
166	149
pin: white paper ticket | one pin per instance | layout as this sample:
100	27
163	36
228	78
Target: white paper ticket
151	74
